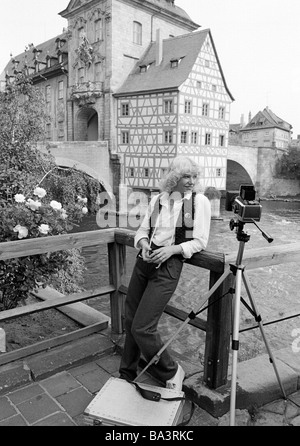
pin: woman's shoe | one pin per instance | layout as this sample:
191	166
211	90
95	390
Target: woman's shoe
175	383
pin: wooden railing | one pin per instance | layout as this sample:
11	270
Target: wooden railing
217	325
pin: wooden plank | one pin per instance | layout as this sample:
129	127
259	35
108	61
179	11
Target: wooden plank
58	302
218	333
24	248
78	312
268	256
48	343
117	273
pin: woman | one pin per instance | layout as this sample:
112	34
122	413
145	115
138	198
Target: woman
176	226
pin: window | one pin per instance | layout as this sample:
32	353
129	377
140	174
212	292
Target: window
221	112
218	172
125	137
207	63
137	33
169	106
98	30
187	107
48	62
146	172
205	109
207	139
194	137
48	131
61	90
81	33
98	68
125	109
60	58
48	93
221	140
168	136
214	87
144	68
61	132
199	85
80	75
131	172
174	63
183	138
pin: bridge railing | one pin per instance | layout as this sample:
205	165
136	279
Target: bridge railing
217	325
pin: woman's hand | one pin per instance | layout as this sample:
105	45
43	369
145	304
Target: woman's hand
162	254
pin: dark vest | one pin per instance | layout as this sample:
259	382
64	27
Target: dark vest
185	222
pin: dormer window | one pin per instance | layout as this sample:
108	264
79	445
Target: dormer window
143	68
48	62
60	58
175	62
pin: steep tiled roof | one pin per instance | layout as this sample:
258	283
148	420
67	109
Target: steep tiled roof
46	48
266	119
161	77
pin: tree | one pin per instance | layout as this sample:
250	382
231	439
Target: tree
289	164
37	198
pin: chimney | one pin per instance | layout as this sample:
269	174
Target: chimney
250	117
159	48
242	121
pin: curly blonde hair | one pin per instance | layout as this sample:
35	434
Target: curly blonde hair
179	166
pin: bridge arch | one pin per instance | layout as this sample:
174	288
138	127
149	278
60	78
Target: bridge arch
241	166
66	162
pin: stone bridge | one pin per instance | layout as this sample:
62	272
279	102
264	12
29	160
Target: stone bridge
254	165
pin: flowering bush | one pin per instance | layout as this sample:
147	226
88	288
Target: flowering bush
33	217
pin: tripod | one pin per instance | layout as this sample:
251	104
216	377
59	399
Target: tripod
240	274
238	270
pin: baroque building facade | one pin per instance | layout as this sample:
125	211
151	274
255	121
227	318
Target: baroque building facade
140	76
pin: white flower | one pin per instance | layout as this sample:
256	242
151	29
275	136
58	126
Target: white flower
84	200
64	214
40	192
33	205
22	230
19	198
85	210
55	205
44	229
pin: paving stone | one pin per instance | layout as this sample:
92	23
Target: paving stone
110	363
14	375
76	401
82	369
25	393
6	409
295	421
59	384
58	419
94	380
16	420
38	408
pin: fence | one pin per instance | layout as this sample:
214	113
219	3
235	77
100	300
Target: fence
217	325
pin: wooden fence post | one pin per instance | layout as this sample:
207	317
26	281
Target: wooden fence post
117	270
218	334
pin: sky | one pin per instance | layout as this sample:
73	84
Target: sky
257	42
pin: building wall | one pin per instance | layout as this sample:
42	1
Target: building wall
267	137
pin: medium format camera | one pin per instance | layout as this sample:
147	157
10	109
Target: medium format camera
245	205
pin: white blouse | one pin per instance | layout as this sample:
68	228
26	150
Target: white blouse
164	231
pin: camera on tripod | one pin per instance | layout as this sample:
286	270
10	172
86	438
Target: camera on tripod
245	206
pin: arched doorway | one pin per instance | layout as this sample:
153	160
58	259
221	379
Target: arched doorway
87	128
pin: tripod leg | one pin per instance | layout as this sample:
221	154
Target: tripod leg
235	343
259	321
